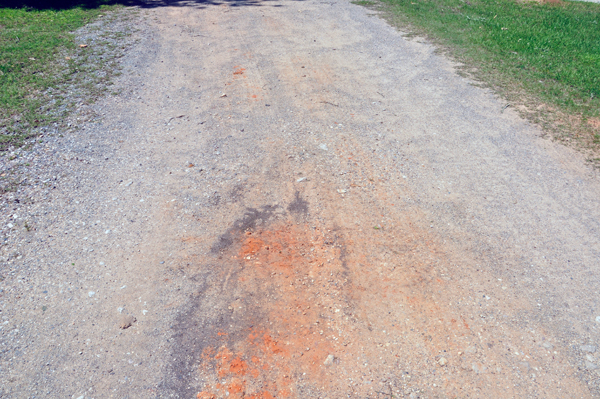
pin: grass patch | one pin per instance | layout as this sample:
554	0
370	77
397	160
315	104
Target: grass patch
543	57
39	60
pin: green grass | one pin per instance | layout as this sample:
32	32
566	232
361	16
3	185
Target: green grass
38	59
545	57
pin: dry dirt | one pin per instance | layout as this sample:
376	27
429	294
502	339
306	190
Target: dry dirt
288	199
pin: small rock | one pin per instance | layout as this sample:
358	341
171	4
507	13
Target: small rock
478	368
329	360
597	319
588	348
323	147
547	345
127	321
442	362
91	294
120	310
301	179
471	350
590	366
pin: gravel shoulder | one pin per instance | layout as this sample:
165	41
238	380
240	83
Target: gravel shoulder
290	199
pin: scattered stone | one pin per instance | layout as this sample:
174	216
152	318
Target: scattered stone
547	345
471	350
323	147
590	366
126	321
91	294
478	368
329	360
525	365
120	310
442	362
301	179
588	348
597	319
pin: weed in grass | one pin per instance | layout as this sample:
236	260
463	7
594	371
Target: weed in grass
364	3
39	60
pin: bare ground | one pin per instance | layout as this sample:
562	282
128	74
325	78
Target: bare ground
290	200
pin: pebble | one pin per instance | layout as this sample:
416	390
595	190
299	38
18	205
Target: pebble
329	360
301	179
442	362
323	147
126	321
91	294
590	366
478	368
588	348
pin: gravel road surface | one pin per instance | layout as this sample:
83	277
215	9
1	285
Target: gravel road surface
289	199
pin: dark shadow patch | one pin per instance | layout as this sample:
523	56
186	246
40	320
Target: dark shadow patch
191	334
237	194
201	328
214	200
298	206
252	218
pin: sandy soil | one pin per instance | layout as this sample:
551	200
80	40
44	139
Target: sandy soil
288	199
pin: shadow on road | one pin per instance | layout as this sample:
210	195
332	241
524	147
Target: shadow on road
88	4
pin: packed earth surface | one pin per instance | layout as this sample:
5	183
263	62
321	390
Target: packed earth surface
291	199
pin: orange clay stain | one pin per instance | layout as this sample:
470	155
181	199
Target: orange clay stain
239	71
292	343
322	294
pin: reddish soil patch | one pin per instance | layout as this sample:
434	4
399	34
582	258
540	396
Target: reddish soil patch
239	71
356	313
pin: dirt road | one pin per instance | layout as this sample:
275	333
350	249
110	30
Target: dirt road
290	200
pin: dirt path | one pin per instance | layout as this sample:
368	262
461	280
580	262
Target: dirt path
293	201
